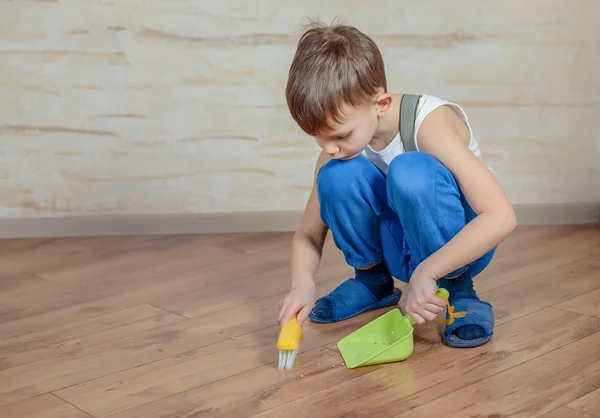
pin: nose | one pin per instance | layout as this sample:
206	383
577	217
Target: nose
331	149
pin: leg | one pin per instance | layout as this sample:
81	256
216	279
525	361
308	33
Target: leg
352	197
432	210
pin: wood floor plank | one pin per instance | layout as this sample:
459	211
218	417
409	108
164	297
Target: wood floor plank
54	304
443	370
541	258
135	264
566	413
160	379
85	333
314	370
58	316
545	289
527	237
44	406
589	404
179	252
13	280
587	304
229	293
247	243
89	363
111	284
61	253
97	320
111	278
233	271
225	285
537	387
11	246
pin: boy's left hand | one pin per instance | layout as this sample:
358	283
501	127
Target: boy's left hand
422	303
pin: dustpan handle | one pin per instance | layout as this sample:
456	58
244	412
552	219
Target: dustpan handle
441	293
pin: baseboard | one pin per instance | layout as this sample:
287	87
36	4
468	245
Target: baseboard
240	222
558	214
122	225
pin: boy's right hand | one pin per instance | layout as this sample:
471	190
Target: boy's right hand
300	300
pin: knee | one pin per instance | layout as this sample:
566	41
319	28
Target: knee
413	175
338	180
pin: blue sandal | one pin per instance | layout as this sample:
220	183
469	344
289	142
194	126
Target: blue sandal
352	298
478	313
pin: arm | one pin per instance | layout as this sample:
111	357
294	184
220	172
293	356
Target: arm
307	249
444	136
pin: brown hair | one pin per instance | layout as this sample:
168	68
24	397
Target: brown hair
334	65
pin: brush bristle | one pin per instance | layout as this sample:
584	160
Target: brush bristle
286	359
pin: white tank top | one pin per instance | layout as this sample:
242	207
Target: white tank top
427	104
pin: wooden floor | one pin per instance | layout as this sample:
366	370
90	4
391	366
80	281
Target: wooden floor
185	326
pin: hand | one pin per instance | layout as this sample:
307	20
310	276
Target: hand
300	300
422	304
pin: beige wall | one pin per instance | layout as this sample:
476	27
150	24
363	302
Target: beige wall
178	107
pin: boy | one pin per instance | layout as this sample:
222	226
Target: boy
403	198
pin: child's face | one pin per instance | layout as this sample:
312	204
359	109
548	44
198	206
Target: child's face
348	138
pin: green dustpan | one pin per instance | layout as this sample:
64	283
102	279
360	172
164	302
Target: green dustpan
386	339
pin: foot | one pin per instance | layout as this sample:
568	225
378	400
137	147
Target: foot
377	280
467	332
470	329
373	288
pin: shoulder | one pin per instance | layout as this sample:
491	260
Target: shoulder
436	116
429	103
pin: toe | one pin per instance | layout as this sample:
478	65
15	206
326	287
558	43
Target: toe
323	309
470	332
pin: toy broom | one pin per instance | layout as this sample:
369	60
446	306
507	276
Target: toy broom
287	343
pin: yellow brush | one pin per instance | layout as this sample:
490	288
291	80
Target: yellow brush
287	343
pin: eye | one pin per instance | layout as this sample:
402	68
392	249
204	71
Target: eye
345	136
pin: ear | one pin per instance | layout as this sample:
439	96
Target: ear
382	103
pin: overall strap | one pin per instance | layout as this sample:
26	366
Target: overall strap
408	111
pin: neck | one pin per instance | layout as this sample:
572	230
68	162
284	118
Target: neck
387	126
